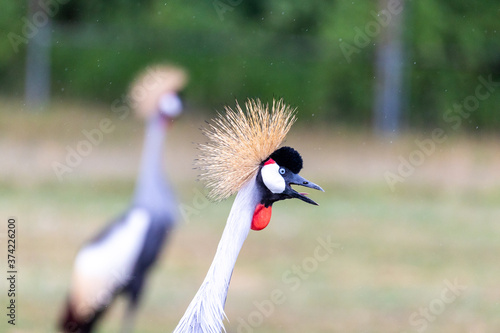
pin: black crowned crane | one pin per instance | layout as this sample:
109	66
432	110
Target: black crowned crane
119	258
242	156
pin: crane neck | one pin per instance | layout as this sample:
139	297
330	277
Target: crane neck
233	237
206	311
151	188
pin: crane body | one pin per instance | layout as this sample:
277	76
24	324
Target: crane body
118	260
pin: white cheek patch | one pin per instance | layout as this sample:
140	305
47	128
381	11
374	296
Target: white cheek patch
272	178
170	105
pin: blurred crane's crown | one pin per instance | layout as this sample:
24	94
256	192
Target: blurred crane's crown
150	85
238	142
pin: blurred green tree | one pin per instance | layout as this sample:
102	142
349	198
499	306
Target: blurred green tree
291	49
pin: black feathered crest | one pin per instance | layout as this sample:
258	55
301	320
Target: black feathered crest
289	158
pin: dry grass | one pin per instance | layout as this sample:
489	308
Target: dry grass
395	248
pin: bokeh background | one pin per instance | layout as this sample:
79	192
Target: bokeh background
398	107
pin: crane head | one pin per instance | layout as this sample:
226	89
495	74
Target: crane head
275	179
155	91
243	146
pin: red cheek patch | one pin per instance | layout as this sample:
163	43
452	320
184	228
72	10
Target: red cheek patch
261	217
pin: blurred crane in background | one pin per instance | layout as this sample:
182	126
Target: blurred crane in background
242	156
118	259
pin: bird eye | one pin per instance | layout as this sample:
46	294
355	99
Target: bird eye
282	171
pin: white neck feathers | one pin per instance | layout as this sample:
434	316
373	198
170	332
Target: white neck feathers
206	311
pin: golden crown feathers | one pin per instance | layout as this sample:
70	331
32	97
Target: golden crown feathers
238	142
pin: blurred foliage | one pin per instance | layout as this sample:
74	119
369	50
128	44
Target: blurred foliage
291	49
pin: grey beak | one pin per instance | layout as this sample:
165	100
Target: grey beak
296	179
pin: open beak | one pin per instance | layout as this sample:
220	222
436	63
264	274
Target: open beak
295	179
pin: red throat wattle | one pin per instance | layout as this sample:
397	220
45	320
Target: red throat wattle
261	217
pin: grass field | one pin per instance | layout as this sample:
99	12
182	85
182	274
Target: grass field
421	258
